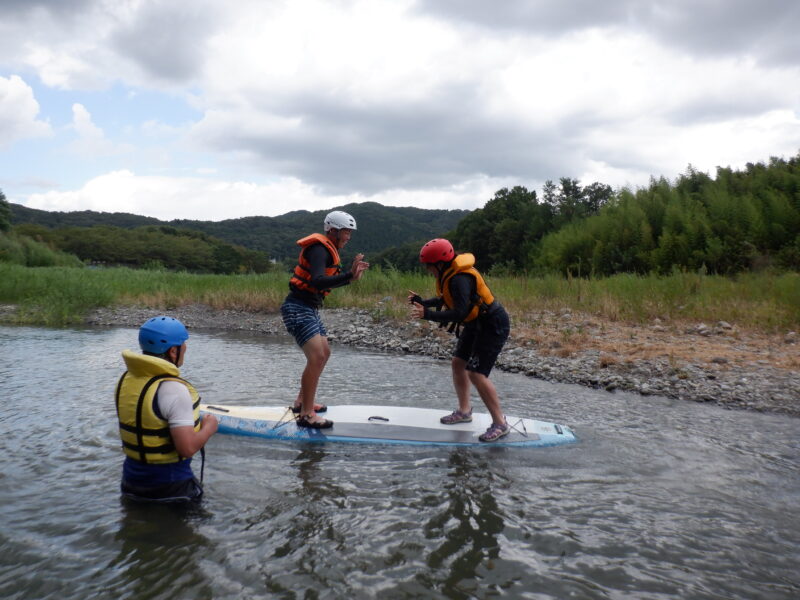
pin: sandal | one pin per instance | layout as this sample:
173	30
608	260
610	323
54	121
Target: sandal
304	422
495	432
456	417
318	408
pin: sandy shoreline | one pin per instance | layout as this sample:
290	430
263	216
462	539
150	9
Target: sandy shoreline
702	363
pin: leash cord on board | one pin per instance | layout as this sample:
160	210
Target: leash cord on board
283	420
524	432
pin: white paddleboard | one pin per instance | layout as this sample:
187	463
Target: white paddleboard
383	424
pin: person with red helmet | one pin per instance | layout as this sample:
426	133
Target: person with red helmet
317	272
481	323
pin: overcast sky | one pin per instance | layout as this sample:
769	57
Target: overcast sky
212	109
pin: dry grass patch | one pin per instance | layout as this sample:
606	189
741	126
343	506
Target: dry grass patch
617	342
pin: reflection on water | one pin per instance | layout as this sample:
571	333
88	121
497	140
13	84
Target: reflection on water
160	551
660	499
466	528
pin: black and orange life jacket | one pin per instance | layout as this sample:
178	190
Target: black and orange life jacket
301	277
464	263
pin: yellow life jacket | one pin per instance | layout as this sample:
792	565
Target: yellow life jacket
464	263
145	436
301	277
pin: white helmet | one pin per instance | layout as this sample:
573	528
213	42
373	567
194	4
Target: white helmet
339	220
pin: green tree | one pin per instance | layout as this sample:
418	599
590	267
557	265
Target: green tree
505	229
5	213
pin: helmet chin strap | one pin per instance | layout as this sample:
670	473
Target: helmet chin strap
440	269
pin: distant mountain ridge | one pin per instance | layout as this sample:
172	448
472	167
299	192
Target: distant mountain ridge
379	227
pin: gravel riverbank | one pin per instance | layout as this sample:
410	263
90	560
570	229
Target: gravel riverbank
701	363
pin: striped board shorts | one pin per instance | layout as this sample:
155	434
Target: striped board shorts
302	321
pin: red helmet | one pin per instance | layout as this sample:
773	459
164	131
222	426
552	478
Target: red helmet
436	250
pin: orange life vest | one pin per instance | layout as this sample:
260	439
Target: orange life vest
463	263
301	277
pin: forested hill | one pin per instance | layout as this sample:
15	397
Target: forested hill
379	227
80	218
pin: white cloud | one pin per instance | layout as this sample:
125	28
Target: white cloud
82	122
91	139
439	102
345	111
18	112
63	67
200	198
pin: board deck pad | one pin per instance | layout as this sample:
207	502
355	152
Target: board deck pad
383	424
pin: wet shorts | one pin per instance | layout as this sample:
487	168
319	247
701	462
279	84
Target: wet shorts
302	321
480	343
188	490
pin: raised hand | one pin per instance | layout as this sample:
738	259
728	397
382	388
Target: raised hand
359	266
417	310
413	297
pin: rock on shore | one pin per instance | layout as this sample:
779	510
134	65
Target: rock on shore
759	387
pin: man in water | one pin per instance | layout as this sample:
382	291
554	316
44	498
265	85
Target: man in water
483	323
318	271
159	417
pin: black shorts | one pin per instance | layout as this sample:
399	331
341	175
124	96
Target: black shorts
188	490
481	341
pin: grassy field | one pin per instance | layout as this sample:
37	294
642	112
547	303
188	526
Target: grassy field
765	302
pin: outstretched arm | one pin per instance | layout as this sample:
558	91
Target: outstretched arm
462	289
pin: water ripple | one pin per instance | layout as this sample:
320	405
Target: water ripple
660	499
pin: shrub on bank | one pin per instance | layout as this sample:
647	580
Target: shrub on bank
22	250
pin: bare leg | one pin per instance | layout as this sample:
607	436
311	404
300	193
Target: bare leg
317	353
488	394
461	383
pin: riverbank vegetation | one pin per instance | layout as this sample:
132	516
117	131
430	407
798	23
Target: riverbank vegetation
150	247
737	221
699	249
763	301
741	220
22	250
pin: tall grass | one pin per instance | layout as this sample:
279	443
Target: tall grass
59	296
22	250
762	301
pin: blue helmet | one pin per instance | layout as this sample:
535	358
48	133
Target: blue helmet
159	334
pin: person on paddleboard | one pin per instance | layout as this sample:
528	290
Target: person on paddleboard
464	301
159	417
318	271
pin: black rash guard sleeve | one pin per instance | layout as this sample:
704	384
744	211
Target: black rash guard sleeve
431	302
462	289
319	258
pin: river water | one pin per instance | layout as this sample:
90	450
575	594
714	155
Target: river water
660	499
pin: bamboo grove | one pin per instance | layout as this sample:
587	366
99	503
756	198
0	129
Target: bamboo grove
737	221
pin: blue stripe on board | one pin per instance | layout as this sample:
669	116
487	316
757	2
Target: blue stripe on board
288	431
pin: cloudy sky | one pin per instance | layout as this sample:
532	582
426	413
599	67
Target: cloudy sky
214	109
